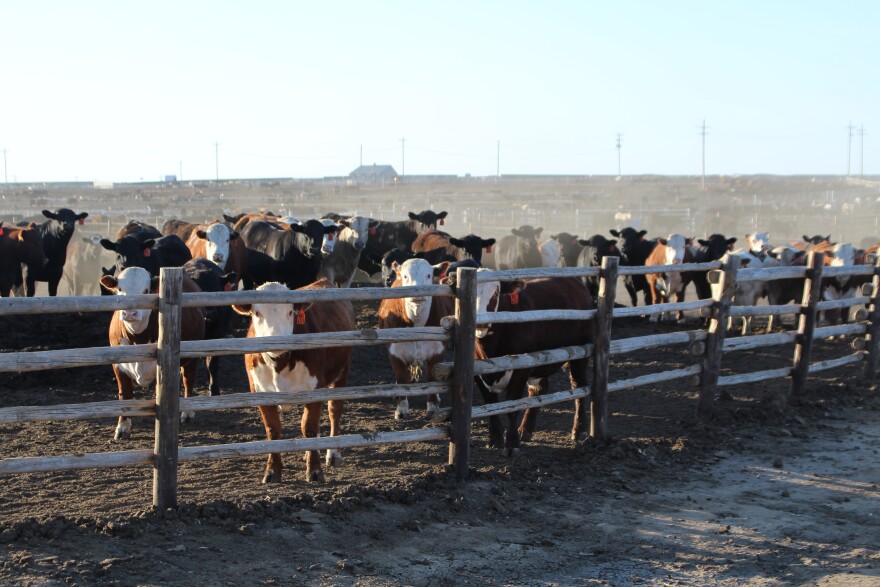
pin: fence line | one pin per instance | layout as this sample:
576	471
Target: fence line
455	377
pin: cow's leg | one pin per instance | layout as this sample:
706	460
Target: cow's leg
213	364
310	427
126	391
402	375
679	314
52	283
334	410
496	431
631	290
530	415
433	400
30	286
188	372
272	423
515	390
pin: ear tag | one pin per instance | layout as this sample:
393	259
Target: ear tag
1	232
373	230
514	298
82	221
146	252
441	222
301	317
227	287
330	236
442	276
489	249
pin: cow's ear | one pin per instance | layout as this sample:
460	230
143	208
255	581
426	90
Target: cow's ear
828	238
512	287
331	228
51	215
374	223
233	235
109	282
108	244
344	223
456	242
202	234
583	242
243	309
229	219
642	233
412	216
806	238
539	230
614	232
703	242
488	242
662	241
82	215
148	244
442	215
731	240
298	228
230	281
515	232
395	266
441	269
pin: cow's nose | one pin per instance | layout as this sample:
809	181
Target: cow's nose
359	246
218	258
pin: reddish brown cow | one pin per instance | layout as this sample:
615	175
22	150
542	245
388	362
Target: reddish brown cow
220	245
413	361
18	245
299	370
668	286
130	327
436	246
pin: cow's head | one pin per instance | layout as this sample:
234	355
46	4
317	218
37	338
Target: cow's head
843	255
787	255
270	319
817	239
313	232
601	247
133	281
473	246
217	238
631	240
569	248
759	243
417	272
489	294
356	231
714	247
674	252
130	252
428	218
65	220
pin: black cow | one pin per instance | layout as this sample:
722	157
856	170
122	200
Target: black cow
56	233
593	250
710	249
635	250
151	254
427	219
569	249
385	236
818	239
291	256
388	259
519	250
218	319
472	247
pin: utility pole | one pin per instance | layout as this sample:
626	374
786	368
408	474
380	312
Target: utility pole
703	180
402	157
5	174
361	164
180	171
849	129
498	159
862	150
217	160
618	155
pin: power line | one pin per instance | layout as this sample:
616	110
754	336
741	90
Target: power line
618	155
402	157
862	150
849	129
217	160
703	133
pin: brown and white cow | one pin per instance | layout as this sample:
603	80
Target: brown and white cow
496	340
413	362
299	370
667	286
219	244
130	327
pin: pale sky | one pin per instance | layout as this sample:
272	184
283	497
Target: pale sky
124	91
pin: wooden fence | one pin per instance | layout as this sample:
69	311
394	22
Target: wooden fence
456	377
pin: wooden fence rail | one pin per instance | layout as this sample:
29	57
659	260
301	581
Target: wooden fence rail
455	378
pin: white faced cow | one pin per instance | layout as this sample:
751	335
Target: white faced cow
667	286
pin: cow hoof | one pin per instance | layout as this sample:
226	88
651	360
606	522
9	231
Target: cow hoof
334	458
511	453
187	417
402	410
214	392
121	435
271	477
431	409
525	435
316	476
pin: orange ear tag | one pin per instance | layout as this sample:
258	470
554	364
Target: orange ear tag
489	249
82	221
441	222
514	297
227	287
146	252
301	317
373	230
1	232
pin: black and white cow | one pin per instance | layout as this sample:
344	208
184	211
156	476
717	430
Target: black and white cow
289	256
151	254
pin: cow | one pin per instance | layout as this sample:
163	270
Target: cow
427	219
56	233
667	286
519	250
129	327
842	287
151	254
550	253
179	227
140	230
783	291
436	246
413	362
747	293
634	252
385	236
299	370
218	319
387	262
590	253
83	267
291	256
496	340
220	244
340	264
19	245
710	249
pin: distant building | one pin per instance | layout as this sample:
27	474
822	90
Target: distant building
373	174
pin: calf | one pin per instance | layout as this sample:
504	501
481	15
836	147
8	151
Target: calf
496	340
667	286
218	319
130	327
19	245
413	361
299	370
634	252
56	233
519	250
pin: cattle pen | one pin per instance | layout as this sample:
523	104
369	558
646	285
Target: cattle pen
707	345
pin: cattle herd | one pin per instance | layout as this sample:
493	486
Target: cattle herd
270	253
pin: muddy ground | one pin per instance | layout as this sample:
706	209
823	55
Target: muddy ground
762	496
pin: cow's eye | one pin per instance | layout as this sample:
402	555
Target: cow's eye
258	314
290	313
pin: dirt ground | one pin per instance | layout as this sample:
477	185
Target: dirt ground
762	496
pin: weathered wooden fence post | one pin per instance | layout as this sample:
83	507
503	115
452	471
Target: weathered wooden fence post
872	337
715	337
463	370
807	323
602	348
167	389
